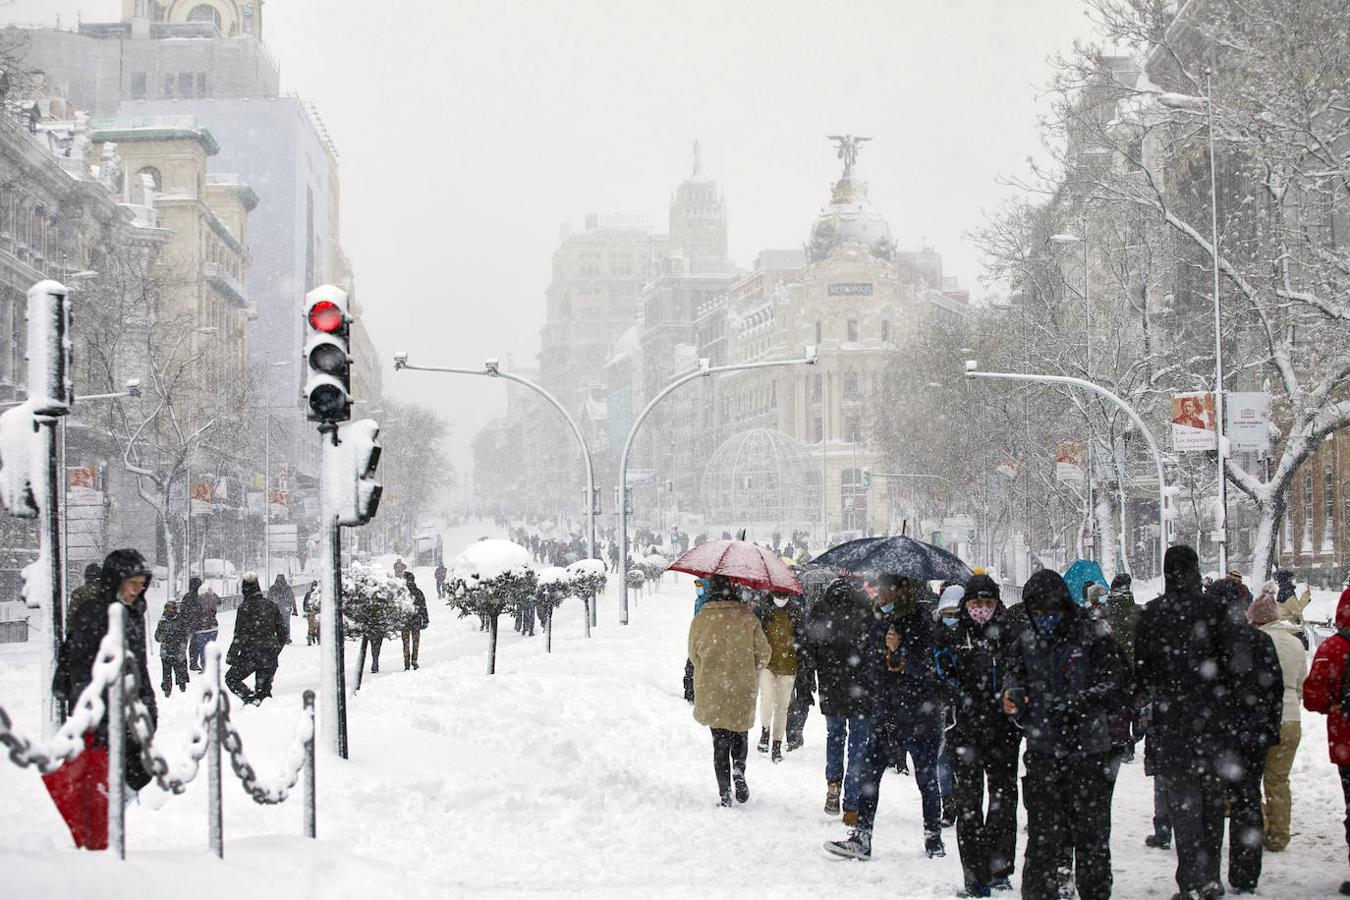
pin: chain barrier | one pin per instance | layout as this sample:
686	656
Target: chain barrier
213	712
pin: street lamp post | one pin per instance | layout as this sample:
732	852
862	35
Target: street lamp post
492	370
1178	101
703	371
972	371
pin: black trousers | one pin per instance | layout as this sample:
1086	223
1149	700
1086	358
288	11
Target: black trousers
262	668
798	710
987	840
1068	802
1246	825
729	751
1195	804
1345	789
173	666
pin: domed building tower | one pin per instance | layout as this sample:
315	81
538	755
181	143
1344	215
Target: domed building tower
851	295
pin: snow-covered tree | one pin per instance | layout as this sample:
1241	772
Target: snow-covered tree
375	604
588	579
492	577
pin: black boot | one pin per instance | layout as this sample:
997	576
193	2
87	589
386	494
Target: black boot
763	745
948	812
777	754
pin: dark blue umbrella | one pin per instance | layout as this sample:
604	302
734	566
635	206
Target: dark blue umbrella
903	556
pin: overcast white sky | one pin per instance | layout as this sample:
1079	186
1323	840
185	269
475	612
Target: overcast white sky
470	131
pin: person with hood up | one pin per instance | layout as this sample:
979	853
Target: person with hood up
1181	648
412	631
1291	602
1265	615
906	713
728	648
122	579
205	625
86	592
1325	692
837	630
948	615
283	598
784	624
1064	679
172	638
1255	694
982	740
1122	614
259	634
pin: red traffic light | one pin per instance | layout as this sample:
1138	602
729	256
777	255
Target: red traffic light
326	316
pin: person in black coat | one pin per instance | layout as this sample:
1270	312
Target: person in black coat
259	634
283	597
412	631
1064	680
123	579
172	635
982	741
1255	706
1181	650
906	712
838	629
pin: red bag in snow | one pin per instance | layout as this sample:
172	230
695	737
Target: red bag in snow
80	791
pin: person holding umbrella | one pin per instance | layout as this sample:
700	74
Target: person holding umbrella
727	647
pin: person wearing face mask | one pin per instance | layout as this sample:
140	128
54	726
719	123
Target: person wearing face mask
948	614
982	740
906	713
784	624
1064	677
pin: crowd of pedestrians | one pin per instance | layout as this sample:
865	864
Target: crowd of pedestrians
954	688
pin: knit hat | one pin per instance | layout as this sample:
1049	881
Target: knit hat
1263	609
951	598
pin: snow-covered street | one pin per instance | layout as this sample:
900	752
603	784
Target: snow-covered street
580	772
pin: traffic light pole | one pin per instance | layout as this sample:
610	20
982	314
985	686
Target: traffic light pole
973	372
704	371
333	721
491	370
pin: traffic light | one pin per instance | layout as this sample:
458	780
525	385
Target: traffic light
358	493
866	479
328	386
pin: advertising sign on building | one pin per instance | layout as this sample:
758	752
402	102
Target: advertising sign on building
1070	460
1247	421
1193	421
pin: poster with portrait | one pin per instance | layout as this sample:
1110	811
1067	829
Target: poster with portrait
1193	421
1070	462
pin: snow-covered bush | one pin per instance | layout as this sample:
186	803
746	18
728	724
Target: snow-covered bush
490	578
553	588
588	579
375	604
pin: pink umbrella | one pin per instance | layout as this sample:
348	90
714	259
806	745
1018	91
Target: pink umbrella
741	562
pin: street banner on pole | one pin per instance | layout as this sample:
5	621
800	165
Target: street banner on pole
1070	459
1248	421
1193	421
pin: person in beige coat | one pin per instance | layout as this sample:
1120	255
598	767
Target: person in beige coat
1264	613
728	648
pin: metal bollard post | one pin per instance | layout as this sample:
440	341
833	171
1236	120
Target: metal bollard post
117	726
311	811
215	817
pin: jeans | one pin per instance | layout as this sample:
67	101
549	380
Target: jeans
775	691
1279	802
412	640
1068	800
987	840
946	778
197	648
920	736
729	751
1195	803
856	730
1246	826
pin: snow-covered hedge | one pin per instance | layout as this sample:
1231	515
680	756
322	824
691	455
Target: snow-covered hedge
375	604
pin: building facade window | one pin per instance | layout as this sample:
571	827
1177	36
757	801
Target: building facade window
186	85
851	388
168	85
1308	511
201	85
138	85
852	429
204	12
157	180
820	332
885	331
852	331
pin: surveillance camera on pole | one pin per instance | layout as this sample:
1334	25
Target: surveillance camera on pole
972	365
400	360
